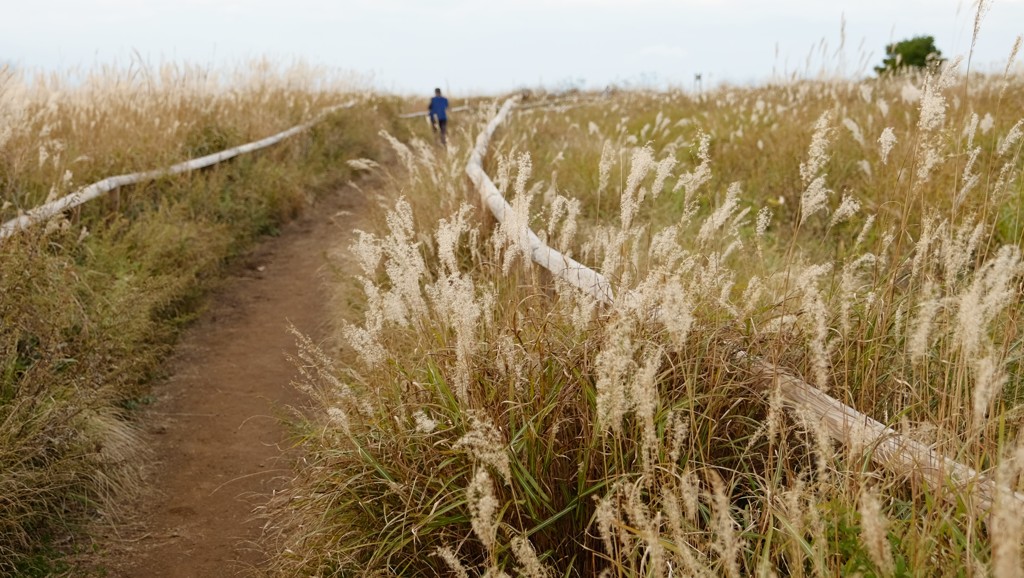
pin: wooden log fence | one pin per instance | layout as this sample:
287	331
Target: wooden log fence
843	423
561	266
100	188
425	113
555	104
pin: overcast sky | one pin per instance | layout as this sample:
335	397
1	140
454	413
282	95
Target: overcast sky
474	46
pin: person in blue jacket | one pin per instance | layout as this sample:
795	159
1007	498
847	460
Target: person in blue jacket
439	114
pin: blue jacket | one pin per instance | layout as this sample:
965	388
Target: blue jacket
439	108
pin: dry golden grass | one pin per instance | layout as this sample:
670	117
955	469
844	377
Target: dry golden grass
865	236
91	301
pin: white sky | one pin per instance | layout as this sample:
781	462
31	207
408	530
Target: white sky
474	46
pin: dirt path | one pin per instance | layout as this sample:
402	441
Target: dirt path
214	427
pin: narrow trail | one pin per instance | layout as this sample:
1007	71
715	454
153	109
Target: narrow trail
214	427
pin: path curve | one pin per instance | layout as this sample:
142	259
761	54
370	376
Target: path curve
215	427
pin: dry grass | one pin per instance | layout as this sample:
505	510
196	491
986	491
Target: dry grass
91	301
480	419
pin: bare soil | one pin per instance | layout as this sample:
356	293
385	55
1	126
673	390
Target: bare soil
215	426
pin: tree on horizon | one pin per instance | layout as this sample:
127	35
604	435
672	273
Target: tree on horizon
914	53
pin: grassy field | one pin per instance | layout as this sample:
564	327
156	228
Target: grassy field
480	418
91	301
476	416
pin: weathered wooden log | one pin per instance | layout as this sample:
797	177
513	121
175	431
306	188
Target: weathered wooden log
100	188
561	266
843	423
425	113
885	445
